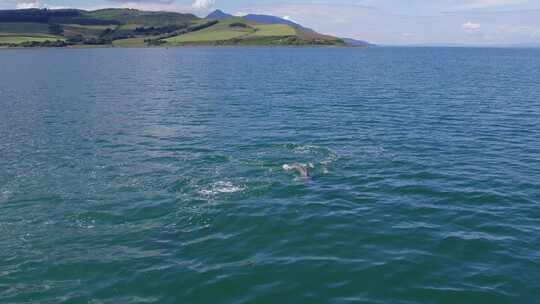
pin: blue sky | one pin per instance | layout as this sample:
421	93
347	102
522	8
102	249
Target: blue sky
470	22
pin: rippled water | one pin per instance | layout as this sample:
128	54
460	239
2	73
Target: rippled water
157	176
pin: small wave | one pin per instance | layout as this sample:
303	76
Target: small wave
312	149
85	223
305	149
329	159
289	167
5	194
222	187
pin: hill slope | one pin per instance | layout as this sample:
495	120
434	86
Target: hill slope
135	28
43	27
238	31
268	19
265	19
356	43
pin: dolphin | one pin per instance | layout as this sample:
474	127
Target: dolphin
299	168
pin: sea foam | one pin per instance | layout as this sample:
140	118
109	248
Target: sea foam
222	187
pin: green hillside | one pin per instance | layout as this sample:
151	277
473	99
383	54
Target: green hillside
20	39
24	28
141	18
234	28
221	31
237	31
134	28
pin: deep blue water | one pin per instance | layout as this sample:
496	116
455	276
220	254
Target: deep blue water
157	175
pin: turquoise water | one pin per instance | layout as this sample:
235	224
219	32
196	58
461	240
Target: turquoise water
157	176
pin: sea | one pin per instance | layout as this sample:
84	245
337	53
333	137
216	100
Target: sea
270	175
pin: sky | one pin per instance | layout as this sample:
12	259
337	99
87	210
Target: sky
391	22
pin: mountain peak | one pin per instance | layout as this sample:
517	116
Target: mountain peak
219	15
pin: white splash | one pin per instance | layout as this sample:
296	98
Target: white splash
304	149
86	224
222	187
326	156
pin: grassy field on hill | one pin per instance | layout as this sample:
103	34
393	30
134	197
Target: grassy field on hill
136	17
19	39
24	28
222	31
71	30
78	27
273	30
237	31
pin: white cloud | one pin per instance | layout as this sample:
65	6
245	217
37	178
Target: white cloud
26	4
474	4
471	26
197	7
144	1
203	4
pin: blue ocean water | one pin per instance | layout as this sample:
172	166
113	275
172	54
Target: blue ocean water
158	175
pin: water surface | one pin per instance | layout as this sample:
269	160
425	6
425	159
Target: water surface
156	175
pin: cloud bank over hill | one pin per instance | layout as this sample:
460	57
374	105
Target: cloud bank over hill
203	4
